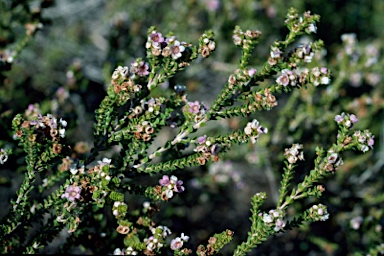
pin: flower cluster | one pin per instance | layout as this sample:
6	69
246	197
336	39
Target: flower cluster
360	58
276	54
305	52
195	110
47	126
305	22
319	76
123	80
254	127
318	213
294	153
287	77
7	56
349	41
128	251
32	112
372	52
261	100
42	129
170	185
153	105
139	68
169	46
316	76
96	183
245	39
273	218
207	149
215	243
334	160
119	209
364	139
144	131
206	45
346	120
150	106
157	239
241	77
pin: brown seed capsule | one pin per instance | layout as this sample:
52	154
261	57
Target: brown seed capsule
201	160
137	135
210	250
205	51
212	240
122	229
321	188
57	149
229	232
146	137
25	124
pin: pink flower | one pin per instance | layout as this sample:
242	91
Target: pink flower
140	68
353	118
237	39
178	186
283	80
324	70
339	118
176	50
212	5
72	192
176	243
280	224
202	139
194	107
164	181
371	141
252	72
156	38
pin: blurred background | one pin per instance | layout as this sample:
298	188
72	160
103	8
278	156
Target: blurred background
74	46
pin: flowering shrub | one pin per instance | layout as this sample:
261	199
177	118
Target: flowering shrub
85	194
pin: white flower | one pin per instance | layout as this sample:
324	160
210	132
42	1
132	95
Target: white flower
176	243
106	160
312	28
325	80
185	238
169	193
267	218
254	139
248	129
325	217
73	169
63	122
279	224
177	49
62	133
146	204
